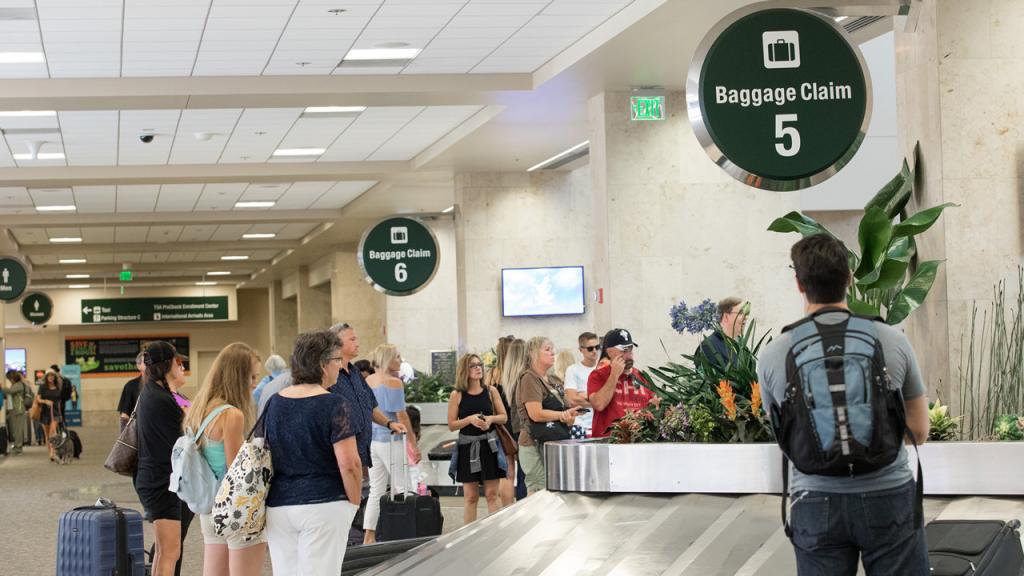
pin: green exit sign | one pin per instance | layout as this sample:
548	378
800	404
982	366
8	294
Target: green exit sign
647	108
126	276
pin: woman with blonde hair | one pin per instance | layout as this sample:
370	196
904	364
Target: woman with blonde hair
473	410
224	404
516	362
390	393
563	360
539	402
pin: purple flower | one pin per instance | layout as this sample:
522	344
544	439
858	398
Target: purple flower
695	320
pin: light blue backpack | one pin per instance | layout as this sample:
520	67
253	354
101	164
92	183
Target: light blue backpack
191	476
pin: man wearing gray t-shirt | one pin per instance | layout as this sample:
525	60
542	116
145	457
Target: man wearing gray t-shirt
836	519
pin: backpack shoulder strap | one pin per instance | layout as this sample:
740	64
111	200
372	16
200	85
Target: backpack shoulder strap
209	418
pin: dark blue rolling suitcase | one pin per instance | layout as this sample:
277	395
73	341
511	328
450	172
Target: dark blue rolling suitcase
100	541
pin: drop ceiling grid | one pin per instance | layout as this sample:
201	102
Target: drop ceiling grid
90	137
246	145
23	33
137	197
178	197
264	192
373	127
188	148
341	194
220	196
200	233
301	195
95	199
15	196
98	235
315	131
429	127
81	39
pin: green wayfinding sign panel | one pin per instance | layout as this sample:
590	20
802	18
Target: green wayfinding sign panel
37	308
168	309
13	279
399	256
779	98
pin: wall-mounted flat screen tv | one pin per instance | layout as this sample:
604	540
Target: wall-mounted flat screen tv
15	359
542	291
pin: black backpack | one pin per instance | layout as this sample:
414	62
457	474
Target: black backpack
840	415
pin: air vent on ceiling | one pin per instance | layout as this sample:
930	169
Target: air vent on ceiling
853	24
17	14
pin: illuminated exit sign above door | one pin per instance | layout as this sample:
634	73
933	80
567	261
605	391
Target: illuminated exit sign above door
643	108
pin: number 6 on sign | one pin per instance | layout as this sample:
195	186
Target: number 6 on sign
401	274
781	131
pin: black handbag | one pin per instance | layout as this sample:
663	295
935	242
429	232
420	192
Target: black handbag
542	432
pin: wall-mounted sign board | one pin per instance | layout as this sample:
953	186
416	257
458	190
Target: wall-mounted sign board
399	256
104	356
163	309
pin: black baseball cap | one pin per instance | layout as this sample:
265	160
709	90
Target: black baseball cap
618	338
161	351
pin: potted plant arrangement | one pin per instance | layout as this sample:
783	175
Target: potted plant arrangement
430	393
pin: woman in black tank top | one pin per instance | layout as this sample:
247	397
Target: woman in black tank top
473	410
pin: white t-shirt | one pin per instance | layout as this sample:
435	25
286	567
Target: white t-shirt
576	379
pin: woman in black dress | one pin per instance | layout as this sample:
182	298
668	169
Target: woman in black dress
50	412
473	410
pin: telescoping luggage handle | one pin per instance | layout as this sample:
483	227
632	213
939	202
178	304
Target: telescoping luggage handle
407	487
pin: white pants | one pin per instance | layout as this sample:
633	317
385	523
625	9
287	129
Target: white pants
309	540
380	473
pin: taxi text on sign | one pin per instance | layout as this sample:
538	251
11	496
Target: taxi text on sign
779	98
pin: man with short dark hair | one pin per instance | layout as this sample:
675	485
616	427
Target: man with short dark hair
576	382
872	510
731	315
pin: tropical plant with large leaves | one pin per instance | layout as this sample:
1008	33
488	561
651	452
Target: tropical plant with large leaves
888	280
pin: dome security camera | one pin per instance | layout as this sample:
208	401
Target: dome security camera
146	138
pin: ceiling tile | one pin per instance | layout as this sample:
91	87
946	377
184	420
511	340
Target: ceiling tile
95	199
178	197
137	198
220	196
130	234
341	194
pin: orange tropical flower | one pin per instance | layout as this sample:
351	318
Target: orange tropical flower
725	392
755	399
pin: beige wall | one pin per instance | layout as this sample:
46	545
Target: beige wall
356	302
521	220
100	395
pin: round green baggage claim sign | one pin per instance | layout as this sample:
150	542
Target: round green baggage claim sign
399	256
779	97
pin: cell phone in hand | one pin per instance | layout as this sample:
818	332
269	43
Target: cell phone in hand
481	416
582	411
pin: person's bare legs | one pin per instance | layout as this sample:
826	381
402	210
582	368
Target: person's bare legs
51	429
168	546
491	493
215	560
507	486
470	501
246	561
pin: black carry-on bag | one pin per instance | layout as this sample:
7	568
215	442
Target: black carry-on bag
406	514
101	540
975	548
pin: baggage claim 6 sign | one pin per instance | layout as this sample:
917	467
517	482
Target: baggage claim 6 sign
399	256
779	98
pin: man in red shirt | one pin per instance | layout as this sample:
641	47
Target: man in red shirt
614	386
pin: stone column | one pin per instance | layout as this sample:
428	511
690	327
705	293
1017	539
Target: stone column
960	74
284	323
356	302
313	303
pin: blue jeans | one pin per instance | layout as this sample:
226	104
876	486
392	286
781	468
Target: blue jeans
830	532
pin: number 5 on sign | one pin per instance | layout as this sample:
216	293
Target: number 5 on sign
401	274
781	131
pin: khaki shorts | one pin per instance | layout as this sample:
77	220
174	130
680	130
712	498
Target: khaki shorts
210	535
533	467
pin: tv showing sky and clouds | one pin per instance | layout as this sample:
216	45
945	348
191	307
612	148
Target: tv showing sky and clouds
542	291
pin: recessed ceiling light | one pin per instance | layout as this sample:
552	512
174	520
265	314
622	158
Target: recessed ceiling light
333	109
79	286
73	261
65	240
299	151
219	273
259	235
27	113
234	257
206	283
41	156
22	58
57	208
76	276
448	209
382	54
255	204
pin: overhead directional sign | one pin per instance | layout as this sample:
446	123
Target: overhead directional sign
399	256
779	98
37	308
168	309
13	279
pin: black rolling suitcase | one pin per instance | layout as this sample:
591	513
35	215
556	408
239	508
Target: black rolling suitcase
407	514
4	440
975	548
102	540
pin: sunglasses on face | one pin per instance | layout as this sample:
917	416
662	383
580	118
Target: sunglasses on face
590	348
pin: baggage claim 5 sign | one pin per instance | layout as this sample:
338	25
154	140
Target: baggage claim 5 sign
779	98
399	256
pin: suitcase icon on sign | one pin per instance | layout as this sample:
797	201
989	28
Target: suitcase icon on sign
781	49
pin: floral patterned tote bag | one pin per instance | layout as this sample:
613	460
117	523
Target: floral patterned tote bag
240	508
